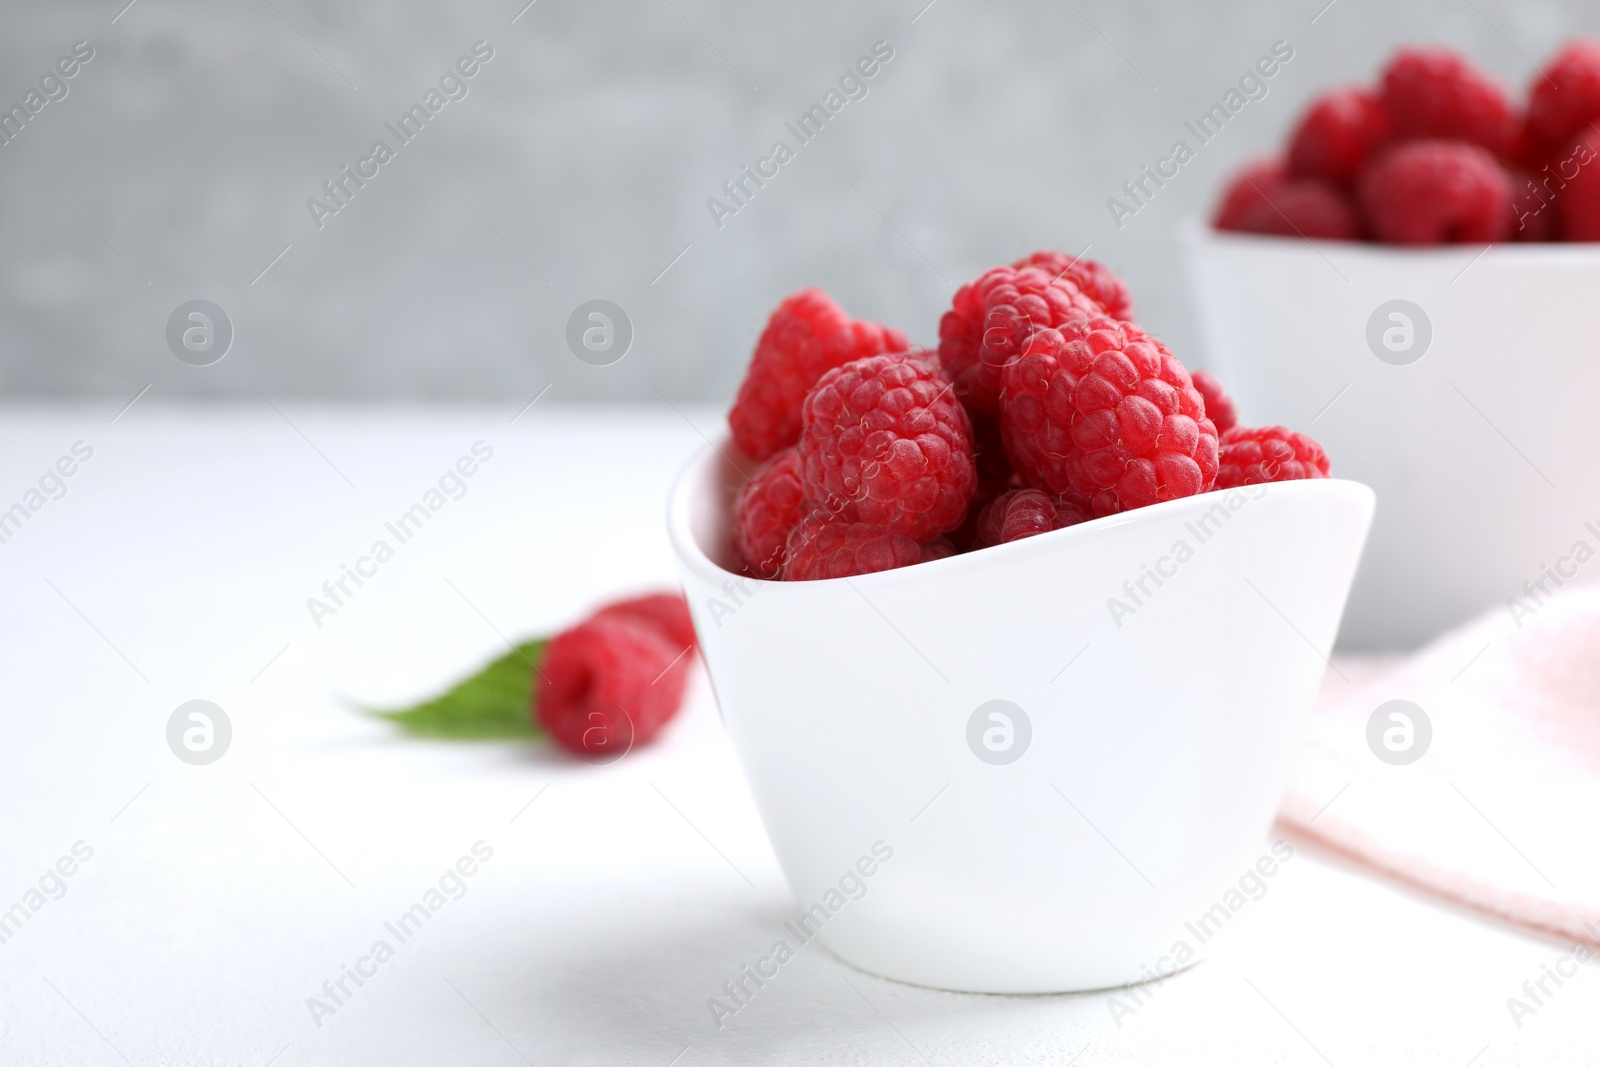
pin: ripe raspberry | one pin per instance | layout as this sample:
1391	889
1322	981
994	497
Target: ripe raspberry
1529	151
666	613
1435	93
806	337
764	512
1262	199
1219	405
1436	192
1243	196
991	319
1099	410
1336	135
1095	279
825	546
1577	203
886	443
1565	97
938	548
1251	455
1533	213
607	685
1020	513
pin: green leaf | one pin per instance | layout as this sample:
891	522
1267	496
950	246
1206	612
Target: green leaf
494	704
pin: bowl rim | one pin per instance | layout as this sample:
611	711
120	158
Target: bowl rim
1197	231
687	548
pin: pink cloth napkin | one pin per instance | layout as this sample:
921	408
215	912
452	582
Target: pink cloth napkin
1501	812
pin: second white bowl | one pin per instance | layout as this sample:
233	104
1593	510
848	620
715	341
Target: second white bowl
1461	383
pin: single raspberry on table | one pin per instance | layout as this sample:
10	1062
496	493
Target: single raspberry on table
826	546
1255	454
666	613
1219	405
807	336
766	510
1437	93
1437	192
1095	279
1264	199
1019	513
991	319
1577	204
1336	135
1102	413
1564	98
609	684
885	442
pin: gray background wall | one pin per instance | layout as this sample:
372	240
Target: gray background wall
580	163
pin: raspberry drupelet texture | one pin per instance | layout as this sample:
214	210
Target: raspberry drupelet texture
1019	513
1565	97
766	510
1436	93
807	336
609	684
1106	415
885	442
1264	199
991	319
826	546
1337	134
666	613
1095	279
1219	405
1437	192
1251	455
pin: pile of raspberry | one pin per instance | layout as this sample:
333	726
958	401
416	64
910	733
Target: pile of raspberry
1043	406
1436	153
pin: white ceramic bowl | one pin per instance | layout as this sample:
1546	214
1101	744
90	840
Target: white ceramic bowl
1155	750
1480	444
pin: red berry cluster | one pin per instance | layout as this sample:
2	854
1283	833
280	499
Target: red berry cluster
1044	406
1436	154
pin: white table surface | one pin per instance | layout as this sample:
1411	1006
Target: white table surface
219	898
